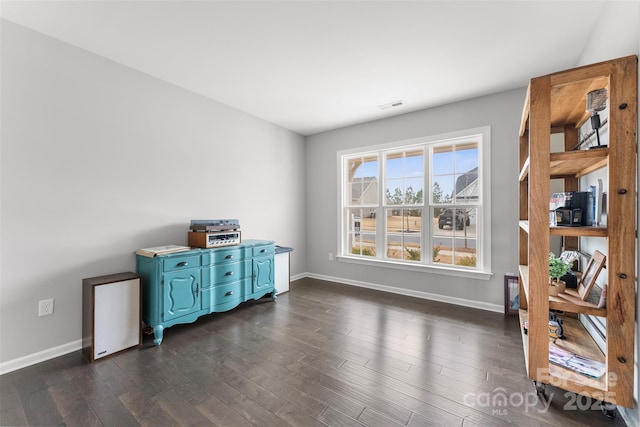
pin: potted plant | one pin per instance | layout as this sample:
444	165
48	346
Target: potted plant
557	269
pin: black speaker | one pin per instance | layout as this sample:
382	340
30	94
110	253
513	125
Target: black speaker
570	279
580	200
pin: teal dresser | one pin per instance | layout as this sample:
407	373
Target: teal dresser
181	287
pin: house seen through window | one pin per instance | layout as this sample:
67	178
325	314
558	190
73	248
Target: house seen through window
417	204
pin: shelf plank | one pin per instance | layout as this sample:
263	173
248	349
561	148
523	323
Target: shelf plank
569	301
578	341
568	98
586	231
578	163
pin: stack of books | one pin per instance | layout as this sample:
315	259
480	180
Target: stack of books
580	364
161	250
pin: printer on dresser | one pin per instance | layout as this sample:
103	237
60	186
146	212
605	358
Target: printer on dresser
182	286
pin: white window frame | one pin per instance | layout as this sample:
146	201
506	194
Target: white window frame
483	253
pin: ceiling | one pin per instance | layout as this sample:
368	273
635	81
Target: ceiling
312	66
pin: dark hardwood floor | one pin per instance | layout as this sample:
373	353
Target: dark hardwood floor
323	354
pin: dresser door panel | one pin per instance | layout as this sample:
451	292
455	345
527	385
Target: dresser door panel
181	293
263	273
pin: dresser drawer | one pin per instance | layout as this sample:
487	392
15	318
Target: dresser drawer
263	250
181	262
225	255
227	272
229	292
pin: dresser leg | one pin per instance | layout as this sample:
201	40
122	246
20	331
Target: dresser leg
157	334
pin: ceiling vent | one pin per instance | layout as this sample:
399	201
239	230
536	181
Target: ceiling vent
391	105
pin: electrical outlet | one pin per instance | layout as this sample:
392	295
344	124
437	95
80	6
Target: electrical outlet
330	256
45	307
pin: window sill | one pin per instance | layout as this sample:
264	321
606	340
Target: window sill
448	271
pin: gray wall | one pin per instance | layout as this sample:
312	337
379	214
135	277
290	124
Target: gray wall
99	160
500	111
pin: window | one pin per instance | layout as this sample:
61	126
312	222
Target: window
418	204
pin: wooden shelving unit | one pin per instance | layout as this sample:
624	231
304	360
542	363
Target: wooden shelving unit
556	103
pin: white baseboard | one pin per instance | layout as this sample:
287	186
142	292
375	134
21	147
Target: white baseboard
298	277
41	356
411	293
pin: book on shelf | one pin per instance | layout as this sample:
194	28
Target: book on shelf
580	364
161	250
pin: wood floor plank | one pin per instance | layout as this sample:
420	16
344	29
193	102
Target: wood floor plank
421	392
368	397
265	398
179	410
222	415
144	409
71	405
41	409
109	409
255	413
292	395
13	415
418	420
371	418
418	400
298	417
325	354
9	395
335	418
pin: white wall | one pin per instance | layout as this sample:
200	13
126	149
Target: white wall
502	112
99	160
